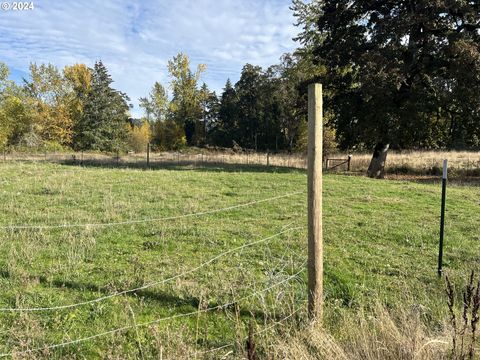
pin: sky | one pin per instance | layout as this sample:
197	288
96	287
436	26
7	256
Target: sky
135	39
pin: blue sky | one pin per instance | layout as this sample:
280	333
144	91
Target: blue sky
135	39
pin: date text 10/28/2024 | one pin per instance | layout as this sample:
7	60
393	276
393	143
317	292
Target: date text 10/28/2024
17	6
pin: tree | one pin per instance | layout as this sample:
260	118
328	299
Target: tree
209	105
103	124
78	78
156	105
15	119
139	136
225	129
394	70
248	90
47	97
185	108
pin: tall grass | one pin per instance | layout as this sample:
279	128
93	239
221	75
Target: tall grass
377	334
406	162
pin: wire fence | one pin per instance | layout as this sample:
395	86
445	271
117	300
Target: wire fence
154	322
149	285
416	162
285	229
140	221
159	159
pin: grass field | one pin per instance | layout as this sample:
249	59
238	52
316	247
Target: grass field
380	245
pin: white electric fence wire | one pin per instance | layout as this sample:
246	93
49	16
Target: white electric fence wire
139	221
146	286
277	323
153	322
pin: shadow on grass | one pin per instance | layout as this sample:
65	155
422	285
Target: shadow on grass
159	297
457	180
183	166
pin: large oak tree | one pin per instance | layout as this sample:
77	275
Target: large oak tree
401	74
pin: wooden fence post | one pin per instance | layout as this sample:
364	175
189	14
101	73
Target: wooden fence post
315	235
268	158
349	161
148	155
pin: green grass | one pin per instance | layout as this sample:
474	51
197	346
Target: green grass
380	243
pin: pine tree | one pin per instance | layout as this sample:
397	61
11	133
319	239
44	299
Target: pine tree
103	125
225	130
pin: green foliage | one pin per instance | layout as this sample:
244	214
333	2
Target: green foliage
404	73
156	105
170	135
15	119
103	124
47	97
185	107
184	119
224	129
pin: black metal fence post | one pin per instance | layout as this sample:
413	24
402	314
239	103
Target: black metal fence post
442	217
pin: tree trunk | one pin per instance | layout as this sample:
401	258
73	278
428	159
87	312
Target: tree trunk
377	165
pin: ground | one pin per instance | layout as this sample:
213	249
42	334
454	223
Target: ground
381	243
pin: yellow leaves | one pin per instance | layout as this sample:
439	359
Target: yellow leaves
13	115
79	77
139	136
4	129
53	123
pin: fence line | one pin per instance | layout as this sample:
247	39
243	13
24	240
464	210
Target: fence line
153	322
279	322
139	221
247	157
149	285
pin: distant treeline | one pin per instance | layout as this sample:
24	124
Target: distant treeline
396	75
78	108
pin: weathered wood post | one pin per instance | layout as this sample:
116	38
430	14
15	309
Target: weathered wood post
349	161
148	155
315	235
442	218
268	158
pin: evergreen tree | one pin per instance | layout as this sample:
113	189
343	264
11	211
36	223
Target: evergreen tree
248	90
209	104
225	130
103	126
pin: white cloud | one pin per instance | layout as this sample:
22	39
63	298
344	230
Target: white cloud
135	39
